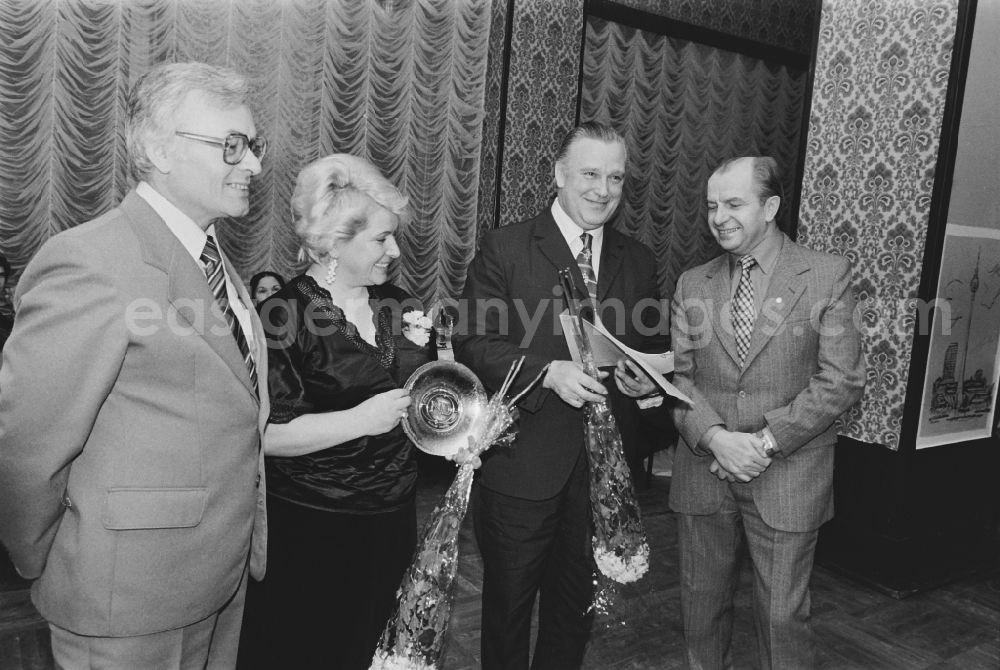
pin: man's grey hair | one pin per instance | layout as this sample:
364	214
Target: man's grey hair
152	105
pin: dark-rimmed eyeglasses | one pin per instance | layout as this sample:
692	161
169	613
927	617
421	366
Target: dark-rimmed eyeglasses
234	145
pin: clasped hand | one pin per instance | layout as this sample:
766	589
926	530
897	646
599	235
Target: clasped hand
738	456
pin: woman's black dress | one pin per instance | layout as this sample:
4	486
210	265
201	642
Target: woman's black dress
341	521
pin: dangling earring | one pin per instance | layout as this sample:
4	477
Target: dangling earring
331	271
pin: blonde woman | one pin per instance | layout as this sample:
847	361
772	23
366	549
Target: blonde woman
341	472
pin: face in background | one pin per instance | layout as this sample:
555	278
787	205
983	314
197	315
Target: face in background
737	216
193	175
266	287
364	259
590	180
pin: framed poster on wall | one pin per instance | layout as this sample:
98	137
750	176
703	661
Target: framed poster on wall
963	363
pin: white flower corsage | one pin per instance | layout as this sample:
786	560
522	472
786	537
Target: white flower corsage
417	327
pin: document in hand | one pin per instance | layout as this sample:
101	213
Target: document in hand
608	351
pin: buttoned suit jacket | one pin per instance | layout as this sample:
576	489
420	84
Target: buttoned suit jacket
803	369
510	308
131	479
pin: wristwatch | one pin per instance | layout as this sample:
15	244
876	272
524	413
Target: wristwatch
770	449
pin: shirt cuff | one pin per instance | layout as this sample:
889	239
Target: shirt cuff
649	402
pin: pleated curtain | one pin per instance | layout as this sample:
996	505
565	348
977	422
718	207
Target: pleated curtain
400	82
683	108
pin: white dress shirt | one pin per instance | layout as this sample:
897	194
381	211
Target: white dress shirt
193	238
572	233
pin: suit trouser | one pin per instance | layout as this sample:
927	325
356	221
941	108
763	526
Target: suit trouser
209	644
711	548
530	546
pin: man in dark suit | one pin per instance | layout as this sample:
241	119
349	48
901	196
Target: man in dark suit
131	408
532	513
765	346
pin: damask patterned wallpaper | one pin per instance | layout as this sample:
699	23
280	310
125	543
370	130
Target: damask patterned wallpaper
541	102
878	100
781	23
491	119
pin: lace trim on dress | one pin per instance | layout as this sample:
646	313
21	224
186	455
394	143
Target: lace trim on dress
384	351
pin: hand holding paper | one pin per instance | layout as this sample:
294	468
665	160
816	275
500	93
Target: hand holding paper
632	381
608	350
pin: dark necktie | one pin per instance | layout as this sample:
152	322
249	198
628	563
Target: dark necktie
743	308
217	283
583	259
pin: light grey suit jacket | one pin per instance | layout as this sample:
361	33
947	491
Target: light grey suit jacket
130	462
803	370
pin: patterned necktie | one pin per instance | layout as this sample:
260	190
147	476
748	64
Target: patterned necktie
587	268
743	308
217	283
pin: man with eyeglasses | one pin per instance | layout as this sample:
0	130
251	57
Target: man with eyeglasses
134	398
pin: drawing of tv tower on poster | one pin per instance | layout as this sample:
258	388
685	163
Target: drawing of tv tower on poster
963	362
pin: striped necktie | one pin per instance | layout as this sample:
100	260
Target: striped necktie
217	283
583	259
743	308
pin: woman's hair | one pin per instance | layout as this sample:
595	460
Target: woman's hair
5	264
257	278
329	192
151	109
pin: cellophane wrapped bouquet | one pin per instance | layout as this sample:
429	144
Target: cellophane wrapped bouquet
414	636
621	549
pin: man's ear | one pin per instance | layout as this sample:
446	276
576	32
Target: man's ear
771	206
560	174
160	156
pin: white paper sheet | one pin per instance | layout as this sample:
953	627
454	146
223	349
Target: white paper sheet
608	350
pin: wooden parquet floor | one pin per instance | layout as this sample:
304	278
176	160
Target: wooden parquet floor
955	627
